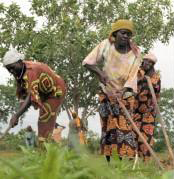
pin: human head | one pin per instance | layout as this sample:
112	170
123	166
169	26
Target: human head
149	61
122	26
12	56
29	128
12	60
151	57
74	115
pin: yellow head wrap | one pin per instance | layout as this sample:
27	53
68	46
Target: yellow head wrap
122	24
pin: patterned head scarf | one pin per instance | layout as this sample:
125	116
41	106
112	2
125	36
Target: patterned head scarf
150	56
12	56
122	24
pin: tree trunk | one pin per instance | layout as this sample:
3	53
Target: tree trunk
67	111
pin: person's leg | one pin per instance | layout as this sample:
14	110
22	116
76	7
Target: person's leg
32	141
107	152
27	143
47	118
120	158
108	158
147	130
126	138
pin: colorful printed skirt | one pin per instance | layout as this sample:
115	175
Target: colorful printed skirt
117	132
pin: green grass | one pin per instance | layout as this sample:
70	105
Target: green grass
60	163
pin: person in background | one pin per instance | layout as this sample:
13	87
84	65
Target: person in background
30	137
38	86
145	112
56	136
76	131
120	60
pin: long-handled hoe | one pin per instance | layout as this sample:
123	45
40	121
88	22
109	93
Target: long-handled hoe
140	135
160	120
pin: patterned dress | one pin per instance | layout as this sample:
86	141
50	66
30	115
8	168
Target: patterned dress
145	112
117	133
47	91
121	70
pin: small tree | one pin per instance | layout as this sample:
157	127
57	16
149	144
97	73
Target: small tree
8	102
70	31
167	111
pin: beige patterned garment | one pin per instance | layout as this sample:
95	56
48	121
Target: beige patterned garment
121	69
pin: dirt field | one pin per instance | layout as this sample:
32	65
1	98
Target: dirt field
9	154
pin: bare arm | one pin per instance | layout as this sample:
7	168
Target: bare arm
23	107
100	74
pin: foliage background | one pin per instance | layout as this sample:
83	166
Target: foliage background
70	30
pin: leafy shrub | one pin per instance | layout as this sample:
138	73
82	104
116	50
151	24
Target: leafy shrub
12	141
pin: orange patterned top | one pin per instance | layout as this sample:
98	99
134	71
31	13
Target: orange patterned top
41	81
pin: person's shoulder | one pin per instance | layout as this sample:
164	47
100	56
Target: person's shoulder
105	42
28	63
35	64
31	64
